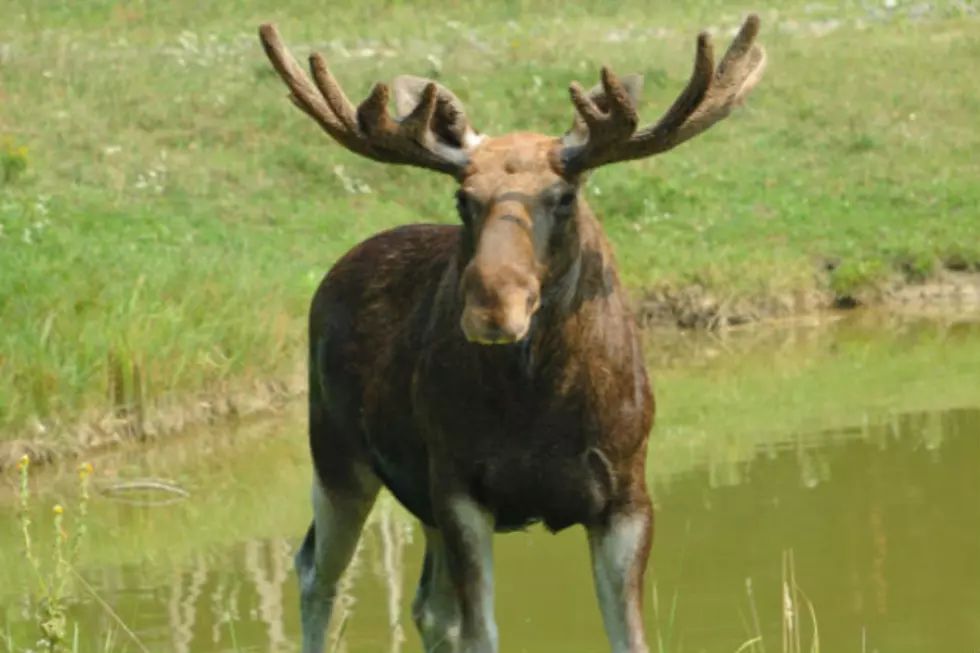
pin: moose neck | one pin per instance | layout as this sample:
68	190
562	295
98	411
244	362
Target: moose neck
584	274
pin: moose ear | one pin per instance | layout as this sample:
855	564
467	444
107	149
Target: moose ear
633	85
449	122
579	132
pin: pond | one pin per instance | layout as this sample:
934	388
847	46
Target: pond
808	479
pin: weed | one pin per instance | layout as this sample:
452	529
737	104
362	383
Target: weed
793	601
52	579
13	159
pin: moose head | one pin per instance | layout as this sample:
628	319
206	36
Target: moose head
519	195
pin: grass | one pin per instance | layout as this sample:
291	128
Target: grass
165	213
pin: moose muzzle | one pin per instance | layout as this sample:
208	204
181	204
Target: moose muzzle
500	287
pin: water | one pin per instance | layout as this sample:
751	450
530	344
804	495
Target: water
852	450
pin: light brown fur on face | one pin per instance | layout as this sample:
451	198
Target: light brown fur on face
509	183
476	439
500	285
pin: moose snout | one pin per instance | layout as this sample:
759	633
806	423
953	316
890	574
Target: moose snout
495	317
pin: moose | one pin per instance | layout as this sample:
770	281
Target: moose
489	373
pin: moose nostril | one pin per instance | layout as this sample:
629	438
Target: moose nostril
532	301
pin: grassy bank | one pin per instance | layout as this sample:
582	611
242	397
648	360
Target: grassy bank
165	213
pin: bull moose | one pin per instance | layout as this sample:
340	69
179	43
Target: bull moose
489	374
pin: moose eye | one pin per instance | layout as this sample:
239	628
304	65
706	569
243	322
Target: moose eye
566	202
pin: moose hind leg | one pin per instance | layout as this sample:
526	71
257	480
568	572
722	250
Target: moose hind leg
435	610
327	549
620	549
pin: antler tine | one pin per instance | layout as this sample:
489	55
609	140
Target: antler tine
368	129
331	91
606	129
302	93
710	96
698	87
385	132
738	73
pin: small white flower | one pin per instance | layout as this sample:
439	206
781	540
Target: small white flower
435	61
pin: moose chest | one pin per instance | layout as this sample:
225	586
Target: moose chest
523	444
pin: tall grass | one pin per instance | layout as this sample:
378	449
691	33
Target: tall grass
795	603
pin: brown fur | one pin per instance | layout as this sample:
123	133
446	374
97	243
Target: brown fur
496	362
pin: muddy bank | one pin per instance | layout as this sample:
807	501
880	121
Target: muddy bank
46	443
697	307
689	308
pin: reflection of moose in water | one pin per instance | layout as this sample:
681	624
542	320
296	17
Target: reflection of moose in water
230	598
233	604
490	375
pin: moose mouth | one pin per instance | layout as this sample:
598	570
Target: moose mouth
498	341
495	336
498	327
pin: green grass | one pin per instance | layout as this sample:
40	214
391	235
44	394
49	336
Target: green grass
173	212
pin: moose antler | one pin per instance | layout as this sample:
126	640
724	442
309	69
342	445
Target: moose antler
368	129
710	95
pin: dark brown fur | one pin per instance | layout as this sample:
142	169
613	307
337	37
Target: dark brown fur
553	429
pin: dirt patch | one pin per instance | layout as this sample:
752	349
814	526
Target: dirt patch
692	307
45	443
952	289
696	307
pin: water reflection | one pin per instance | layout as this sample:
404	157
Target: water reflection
883	519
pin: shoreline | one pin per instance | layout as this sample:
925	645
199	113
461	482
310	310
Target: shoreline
690	308
698	308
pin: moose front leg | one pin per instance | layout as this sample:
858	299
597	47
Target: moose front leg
620	548
467	537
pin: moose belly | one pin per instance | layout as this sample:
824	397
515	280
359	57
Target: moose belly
556	489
